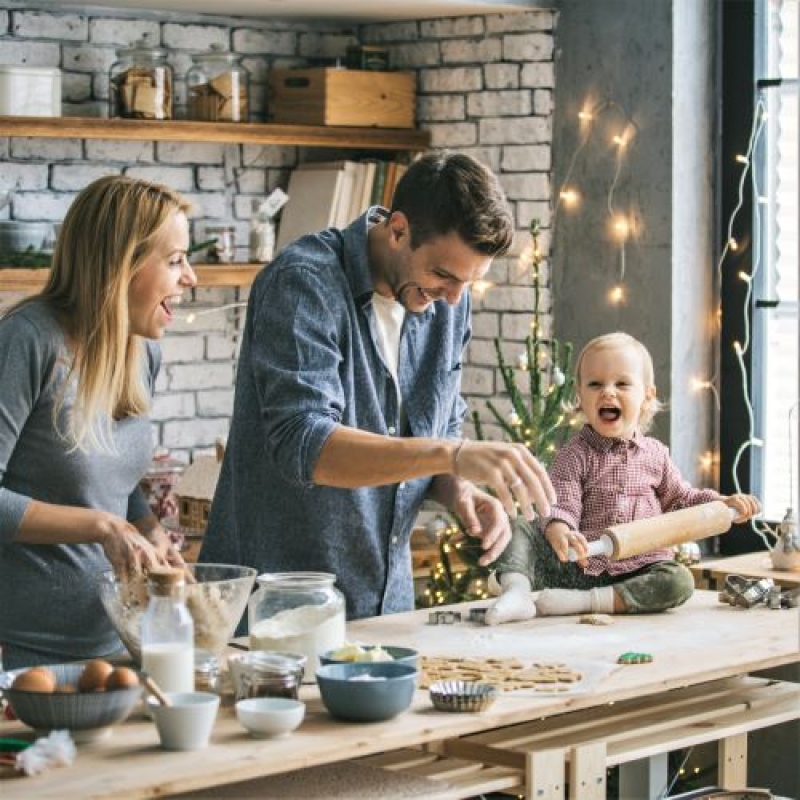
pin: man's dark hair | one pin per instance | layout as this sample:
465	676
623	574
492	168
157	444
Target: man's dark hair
444	193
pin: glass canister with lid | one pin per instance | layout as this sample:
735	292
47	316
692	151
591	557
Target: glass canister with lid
141	83
297	612
218	87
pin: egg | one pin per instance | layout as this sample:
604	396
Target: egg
94	676
36	679
121	678
67	688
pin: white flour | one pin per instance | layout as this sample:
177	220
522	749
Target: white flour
310	630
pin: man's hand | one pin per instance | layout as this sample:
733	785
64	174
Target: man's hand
510	469
484	518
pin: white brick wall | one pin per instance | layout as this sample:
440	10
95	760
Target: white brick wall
484	87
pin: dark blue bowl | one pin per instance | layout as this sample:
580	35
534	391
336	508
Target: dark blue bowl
366	692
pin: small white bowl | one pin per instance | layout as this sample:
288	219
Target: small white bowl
187	723
270	716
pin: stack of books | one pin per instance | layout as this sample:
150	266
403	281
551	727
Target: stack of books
331	194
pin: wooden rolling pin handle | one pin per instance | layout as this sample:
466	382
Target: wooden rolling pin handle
599	547
640	536
666	530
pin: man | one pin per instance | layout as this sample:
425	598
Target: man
348	412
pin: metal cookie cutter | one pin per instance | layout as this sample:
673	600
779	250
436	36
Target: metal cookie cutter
444	617
745	593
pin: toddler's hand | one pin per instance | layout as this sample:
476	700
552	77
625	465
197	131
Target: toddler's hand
562	538
745	505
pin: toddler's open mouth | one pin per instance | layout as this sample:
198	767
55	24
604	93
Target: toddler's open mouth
609	413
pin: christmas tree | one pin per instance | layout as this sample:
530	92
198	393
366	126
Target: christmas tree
539	388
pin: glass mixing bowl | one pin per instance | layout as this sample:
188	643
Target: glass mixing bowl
216	602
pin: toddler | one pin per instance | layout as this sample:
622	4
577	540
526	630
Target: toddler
610	473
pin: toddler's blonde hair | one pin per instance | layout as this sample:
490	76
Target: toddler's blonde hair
617	341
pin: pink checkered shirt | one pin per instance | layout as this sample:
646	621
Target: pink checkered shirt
601	482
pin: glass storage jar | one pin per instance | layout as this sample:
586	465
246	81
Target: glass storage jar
218	87
141	83
297	612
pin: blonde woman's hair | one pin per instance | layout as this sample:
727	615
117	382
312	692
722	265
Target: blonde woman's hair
108	232
616	341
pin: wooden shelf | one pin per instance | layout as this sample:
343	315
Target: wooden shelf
208	276
228	132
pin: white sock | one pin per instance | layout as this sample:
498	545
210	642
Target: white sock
562	602
515	603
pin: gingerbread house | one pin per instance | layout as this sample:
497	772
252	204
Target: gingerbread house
195	490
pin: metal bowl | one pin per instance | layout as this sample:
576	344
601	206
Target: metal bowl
462	695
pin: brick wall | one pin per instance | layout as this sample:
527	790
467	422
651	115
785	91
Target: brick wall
485	86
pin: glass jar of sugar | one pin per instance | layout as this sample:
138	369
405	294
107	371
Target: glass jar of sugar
297	612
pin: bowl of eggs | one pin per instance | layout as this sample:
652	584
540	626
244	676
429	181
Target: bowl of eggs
86	699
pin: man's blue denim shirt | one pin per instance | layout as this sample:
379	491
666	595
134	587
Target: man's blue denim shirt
310	362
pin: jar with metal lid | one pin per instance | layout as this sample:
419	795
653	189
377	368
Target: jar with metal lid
141	83
218	87
297	612
260	673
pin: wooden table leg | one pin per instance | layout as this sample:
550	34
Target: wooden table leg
587	772
733	762
544	774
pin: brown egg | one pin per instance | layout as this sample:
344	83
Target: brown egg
36	679
94	675
121	678
67	688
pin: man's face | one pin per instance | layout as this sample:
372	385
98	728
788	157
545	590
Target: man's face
438	270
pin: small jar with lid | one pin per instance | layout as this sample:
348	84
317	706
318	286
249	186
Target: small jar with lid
297	612
218	87
141	83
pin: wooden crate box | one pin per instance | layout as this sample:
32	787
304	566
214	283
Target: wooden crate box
326	96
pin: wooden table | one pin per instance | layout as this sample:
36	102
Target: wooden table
711	573
703	641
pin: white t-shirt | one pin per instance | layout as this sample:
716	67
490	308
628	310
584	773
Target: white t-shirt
389	315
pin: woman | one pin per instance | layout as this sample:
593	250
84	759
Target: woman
77	371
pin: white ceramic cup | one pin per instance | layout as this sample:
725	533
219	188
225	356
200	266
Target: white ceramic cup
187	723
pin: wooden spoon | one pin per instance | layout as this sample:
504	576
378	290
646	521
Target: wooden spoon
155	690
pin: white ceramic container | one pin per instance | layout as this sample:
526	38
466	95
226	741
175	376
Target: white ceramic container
30	91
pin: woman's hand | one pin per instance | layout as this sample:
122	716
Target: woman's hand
124	546
562	538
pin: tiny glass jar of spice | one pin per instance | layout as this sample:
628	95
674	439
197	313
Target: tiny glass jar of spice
141	83
218	87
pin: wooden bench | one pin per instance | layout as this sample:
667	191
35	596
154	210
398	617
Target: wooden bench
568	755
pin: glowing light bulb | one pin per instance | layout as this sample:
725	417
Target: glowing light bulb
733	244
481	287
742	159
570	197
585	115
620	140
745	277
617	295
707	460
621	227
737	348
698	384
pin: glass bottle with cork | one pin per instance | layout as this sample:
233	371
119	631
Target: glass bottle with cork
168	632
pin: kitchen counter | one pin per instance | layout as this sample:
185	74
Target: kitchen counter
699	642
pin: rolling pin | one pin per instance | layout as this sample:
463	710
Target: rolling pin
665	530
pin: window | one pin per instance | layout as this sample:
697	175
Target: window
775	208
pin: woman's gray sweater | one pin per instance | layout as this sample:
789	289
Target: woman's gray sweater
50	609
